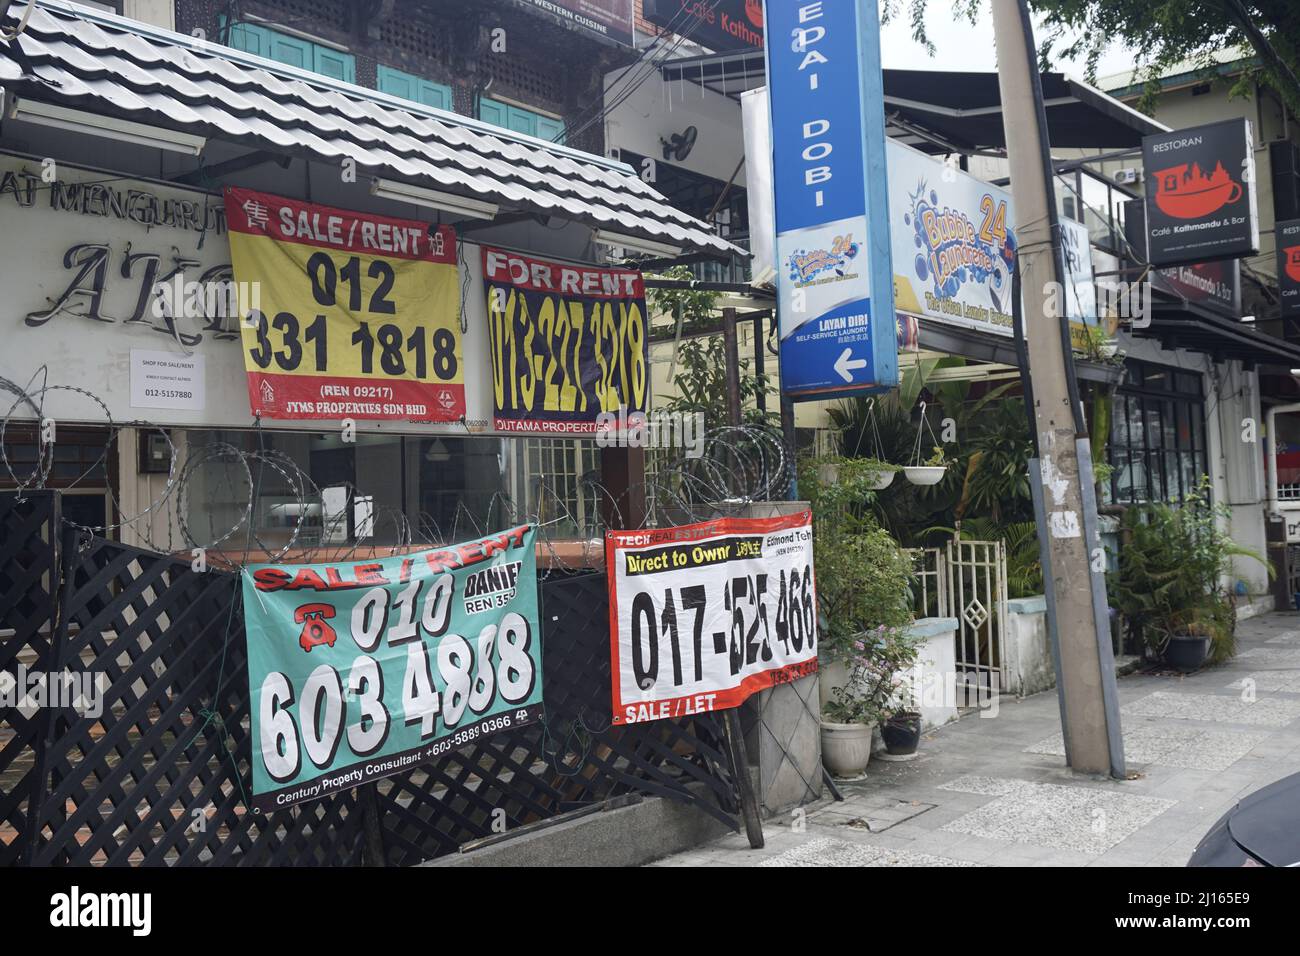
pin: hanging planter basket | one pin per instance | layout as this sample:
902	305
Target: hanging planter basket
925	474
881	480
917	472
884	475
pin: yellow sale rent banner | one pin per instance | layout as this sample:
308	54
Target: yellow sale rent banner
357	315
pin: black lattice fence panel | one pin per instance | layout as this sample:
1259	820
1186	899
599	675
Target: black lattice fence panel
573	759
160	776
160	773
29	572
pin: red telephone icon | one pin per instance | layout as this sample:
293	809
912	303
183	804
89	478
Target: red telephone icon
315	630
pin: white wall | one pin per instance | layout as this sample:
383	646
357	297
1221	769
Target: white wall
657	109
161	13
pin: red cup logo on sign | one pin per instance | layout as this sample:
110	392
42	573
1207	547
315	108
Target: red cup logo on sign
1185	192
1292	254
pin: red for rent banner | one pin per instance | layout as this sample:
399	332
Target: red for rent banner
568	343
702	616
354	316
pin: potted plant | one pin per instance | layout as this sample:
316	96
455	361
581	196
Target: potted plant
881	475
929	473
864	581
839	488
876	667
901	728
1169	583
1099	346
846	734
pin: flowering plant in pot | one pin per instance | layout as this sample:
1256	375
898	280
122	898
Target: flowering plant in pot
877	663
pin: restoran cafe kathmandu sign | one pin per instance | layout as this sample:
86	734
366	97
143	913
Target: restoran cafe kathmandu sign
1200	194
359	314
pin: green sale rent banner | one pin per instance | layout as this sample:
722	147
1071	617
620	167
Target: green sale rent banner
362	669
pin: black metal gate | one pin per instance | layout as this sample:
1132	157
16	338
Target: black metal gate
162	774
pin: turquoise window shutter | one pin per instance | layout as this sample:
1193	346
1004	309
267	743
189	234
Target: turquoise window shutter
249	38
521	120
411	87
549	129
436	95
490	111
394	82
292	51
333	63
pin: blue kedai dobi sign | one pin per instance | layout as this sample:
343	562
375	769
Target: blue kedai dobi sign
834	279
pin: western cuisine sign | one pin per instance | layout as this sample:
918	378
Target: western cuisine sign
716	24
704	615
568	343
359	314
835	307
1200	194
607	18
358	671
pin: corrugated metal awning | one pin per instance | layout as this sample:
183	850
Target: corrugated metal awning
76	57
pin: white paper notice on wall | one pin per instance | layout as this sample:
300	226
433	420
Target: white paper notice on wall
166	380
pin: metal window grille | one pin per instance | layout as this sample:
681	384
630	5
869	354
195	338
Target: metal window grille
553	472
930	596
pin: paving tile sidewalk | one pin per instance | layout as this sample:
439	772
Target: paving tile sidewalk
995	791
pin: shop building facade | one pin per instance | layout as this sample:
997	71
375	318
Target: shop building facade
118	138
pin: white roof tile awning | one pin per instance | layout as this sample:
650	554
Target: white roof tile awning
75	57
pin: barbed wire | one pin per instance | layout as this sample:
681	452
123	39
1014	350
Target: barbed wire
239	505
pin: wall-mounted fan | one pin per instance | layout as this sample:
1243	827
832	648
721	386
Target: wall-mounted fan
679	145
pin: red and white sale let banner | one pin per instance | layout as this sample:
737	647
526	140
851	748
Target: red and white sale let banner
703	615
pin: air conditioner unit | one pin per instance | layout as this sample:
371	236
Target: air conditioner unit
1127	177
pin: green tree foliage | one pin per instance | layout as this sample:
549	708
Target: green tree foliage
700	371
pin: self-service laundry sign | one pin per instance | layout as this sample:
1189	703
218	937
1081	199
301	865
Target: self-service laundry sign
363	669
834	279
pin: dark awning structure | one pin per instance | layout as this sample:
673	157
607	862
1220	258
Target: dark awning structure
1184	325
982	346
963	110
74	57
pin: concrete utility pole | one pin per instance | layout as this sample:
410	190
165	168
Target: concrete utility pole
1067	518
